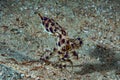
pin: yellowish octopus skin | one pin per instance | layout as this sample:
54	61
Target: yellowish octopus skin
65	45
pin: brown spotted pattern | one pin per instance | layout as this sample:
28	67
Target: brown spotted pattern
65	45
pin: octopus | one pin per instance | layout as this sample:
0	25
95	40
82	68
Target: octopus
66	47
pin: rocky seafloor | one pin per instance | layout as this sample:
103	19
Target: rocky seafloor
23	39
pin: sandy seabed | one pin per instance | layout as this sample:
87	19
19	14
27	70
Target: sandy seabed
23	39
